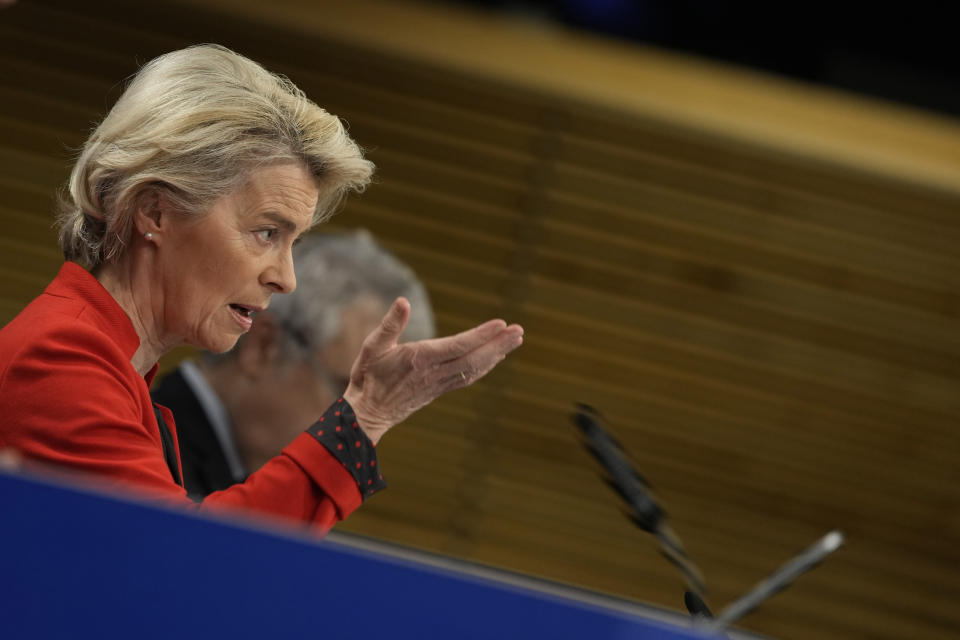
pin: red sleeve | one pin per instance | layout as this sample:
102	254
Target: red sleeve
74	400
305	482
320	492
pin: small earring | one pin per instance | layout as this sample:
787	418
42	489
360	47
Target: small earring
149	236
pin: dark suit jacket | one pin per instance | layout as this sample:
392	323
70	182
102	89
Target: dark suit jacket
204	465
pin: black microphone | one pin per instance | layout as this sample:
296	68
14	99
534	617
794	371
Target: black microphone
696	607
641	507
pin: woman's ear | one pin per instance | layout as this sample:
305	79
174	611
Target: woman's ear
151	212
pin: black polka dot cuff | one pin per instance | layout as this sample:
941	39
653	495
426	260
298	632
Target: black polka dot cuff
337	430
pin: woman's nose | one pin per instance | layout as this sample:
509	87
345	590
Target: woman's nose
280	276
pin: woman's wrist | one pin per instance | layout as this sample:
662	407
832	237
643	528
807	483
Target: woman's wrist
373	428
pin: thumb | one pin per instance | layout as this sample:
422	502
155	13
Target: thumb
394	322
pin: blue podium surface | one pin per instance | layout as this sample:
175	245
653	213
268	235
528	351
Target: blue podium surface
80	563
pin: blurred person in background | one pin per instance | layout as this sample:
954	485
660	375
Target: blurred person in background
237	410
178	227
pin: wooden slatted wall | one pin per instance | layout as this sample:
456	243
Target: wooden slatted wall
774	335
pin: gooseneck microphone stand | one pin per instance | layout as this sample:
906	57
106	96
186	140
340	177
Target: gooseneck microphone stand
644	511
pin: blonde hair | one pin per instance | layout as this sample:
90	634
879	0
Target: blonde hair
194	123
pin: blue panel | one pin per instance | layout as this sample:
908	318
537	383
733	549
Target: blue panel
81	564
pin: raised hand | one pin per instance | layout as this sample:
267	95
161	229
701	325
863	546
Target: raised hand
389	381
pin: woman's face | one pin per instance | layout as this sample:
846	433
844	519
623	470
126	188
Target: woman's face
218	269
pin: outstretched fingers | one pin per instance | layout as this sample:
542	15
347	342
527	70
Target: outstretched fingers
389	381
439	350
473	365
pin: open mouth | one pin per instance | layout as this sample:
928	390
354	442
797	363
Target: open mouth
246	312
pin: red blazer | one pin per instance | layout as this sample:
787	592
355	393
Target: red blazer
70	396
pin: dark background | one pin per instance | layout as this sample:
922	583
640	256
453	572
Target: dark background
904	52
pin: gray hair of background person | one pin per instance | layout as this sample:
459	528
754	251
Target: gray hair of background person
190	127
335	270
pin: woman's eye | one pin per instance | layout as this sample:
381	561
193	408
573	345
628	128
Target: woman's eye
266	235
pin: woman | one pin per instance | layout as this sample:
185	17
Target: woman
184	205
